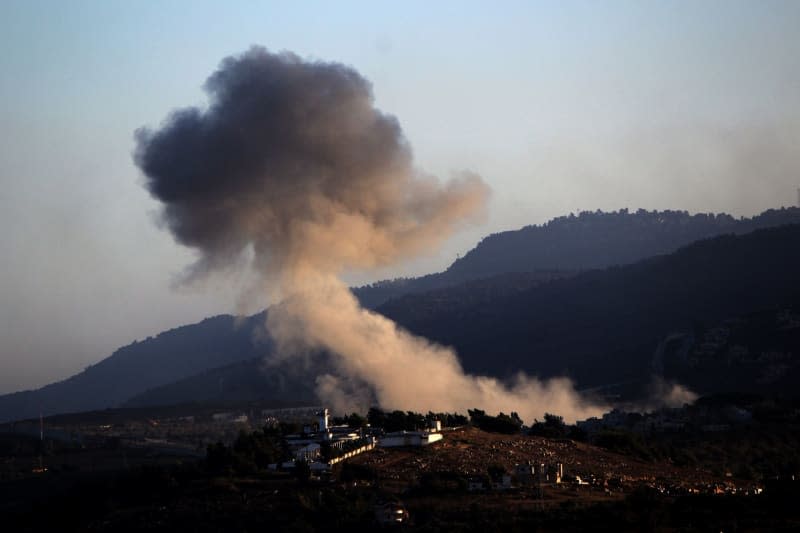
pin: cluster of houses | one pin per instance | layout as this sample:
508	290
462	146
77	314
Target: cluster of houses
325	445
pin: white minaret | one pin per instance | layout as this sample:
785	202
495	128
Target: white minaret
323	421
798	197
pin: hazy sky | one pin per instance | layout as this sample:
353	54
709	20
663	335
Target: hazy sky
560	106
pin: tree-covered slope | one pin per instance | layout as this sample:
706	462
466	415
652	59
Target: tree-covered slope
598	326
603	326
569	244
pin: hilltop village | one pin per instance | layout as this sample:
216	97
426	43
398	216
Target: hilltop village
407	463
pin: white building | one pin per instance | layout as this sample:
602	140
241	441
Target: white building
409	438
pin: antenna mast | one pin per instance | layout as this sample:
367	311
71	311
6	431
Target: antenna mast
41	468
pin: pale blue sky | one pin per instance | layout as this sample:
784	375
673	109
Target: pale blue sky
560	106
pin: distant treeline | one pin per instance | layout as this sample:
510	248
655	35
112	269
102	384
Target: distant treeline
390	421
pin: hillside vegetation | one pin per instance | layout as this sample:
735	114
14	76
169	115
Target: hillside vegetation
604	326
530	302
569	244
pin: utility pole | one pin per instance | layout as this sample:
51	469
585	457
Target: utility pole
40	470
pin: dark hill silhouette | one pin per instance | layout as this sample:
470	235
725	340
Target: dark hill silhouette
569	244
156	361
603	326
600	327
243	381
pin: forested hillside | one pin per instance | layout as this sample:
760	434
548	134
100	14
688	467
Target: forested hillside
604	326
597	326
570	244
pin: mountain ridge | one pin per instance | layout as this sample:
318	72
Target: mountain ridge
189	351
569	244
472	307
158	360
575	326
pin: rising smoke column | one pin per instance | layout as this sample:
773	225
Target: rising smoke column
292	166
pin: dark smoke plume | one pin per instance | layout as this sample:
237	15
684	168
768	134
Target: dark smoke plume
288	156
292	163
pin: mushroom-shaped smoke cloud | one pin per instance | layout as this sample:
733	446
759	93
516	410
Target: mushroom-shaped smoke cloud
292	159
292	163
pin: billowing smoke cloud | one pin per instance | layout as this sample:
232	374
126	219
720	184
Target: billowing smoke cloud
405	371
664	393
292	159
292	166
